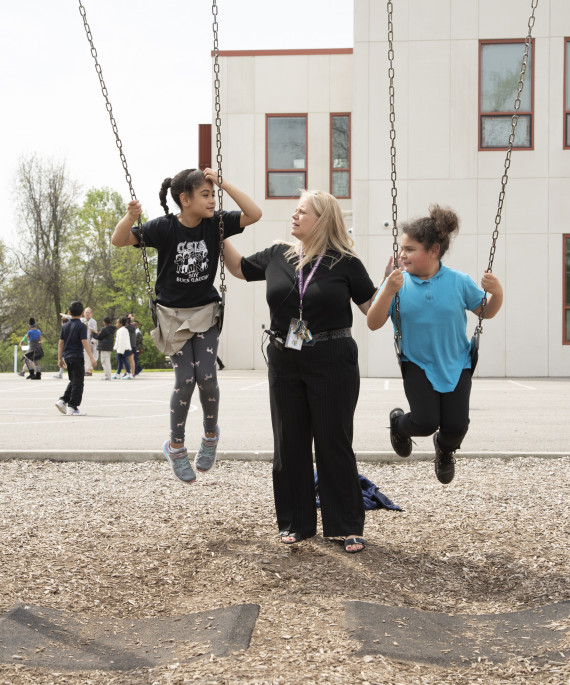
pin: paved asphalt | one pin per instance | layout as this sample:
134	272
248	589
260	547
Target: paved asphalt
128	420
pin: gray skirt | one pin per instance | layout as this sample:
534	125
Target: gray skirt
176	326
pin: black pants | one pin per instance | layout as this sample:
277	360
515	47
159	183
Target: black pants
313	395
430	410
76	373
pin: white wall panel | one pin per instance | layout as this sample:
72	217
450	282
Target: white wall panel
238	85
463	108
558	219
318	92
464	20
526	288
429	109
431	19
281	85
559	17
528	205
339	84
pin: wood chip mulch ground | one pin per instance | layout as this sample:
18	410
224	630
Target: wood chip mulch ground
127	540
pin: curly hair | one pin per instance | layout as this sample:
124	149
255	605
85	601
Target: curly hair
437	228
184	182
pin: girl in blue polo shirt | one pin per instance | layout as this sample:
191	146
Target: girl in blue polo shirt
436	361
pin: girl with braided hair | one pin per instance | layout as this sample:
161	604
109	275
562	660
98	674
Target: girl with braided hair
188	304
436	359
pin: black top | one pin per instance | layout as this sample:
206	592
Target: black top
132	335
187	257
72	333
106	337
326	305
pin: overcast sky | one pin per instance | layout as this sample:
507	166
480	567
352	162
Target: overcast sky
155	57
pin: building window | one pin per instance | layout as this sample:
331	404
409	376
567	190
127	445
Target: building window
499	73
566	294
567	93
340	155
286	154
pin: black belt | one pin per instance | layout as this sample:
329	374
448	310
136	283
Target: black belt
277	339
328	335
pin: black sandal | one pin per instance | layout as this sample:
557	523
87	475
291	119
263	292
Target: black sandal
353	540
297	537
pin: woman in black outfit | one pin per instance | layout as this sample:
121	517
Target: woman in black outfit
314	379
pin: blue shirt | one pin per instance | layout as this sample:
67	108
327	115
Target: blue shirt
433	324
34	334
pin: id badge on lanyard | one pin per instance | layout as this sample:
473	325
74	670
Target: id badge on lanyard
299	328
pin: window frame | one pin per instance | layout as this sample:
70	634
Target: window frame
565	305
268	170
508	115
565	108
333	169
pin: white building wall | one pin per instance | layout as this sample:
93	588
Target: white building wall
436	63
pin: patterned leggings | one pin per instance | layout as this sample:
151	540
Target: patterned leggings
195	364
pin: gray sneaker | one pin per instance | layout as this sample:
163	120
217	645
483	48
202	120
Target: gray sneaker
179	463
206	455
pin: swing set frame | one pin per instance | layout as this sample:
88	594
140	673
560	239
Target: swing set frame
393	165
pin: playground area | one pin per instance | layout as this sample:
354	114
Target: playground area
113	572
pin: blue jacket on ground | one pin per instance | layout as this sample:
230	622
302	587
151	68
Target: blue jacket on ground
371	495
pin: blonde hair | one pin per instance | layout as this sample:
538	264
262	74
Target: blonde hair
328	233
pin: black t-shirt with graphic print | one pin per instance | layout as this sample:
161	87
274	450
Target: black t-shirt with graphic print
187	257
326	305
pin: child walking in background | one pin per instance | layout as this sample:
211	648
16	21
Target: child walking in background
123	350
105	339
72	343
188	308
35	351
436	360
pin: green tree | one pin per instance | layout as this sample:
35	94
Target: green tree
91	252
47	210
108	279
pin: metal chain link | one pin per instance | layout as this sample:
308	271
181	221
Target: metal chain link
218	122
393	175
118	142
505	176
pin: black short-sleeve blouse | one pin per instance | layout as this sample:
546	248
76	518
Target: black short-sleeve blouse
326	305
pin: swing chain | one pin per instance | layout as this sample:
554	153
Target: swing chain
218	122
393	175
505	176
119	144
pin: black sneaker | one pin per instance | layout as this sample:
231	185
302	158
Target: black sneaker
402	446
444	463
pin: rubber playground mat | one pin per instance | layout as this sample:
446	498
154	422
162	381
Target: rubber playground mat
442	639
41	637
